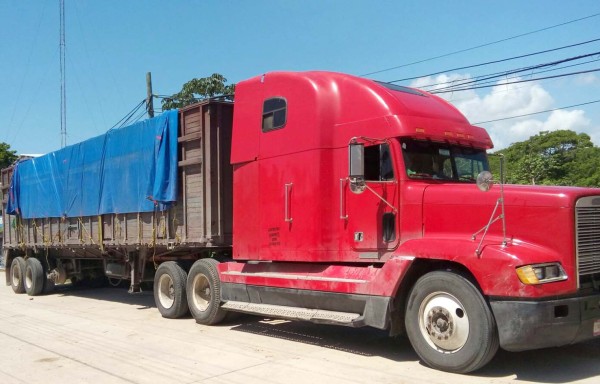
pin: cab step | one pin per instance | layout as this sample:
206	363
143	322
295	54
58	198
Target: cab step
295	313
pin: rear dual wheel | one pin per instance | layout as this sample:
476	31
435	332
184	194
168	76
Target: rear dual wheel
17	274
35	278
169	290
204	292
29	276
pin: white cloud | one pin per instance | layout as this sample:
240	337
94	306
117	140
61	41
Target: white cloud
507	100
556	120
587	79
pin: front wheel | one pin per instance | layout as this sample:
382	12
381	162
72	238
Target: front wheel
204	292
449	323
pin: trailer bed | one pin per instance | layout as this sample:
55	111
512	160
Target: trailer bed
200	218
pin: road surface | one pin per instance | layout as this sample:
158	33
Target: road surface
108	336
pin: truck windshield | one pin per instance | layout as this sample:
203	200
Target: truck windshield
430	160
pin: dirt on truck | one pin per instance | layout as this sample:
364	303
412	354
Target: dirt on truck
321	197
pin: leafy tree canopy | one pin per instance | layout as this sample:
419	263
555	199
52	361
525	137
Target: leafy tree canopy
7	156
551	158
198	89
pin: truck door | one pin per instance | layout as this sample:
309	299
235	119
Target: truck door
372	216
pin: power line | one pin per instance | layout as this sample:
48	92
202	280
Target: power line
497	61
480	46
139	117
128	116
494	82
518	82
537	113
481	78
130	119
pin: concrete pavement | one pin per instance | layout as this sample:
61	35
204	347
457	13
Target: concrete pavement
108	336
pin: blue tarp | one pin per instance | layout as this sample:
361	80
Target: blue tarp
131	169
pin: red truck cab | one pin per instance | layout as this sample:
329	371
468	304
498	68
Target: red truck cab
355	203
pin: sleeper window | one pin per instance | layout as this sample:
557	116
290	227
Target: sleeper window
274	114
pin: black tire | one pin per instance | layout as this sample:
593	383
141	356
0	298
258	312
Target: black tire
17	274
34	277
169	290
204	292
48	286
450	324
48	283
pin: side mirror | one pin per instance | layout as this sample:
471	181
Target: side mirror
356	161
485	180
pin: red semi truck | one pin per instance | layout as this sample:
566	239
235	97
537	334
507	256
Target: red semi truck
336	199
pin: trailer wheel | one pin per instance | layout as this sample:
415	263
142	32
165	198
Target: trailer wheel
17	274
449	323
204	292
34	277
169	290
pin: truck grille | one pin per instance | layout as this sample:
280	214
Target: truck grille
587	221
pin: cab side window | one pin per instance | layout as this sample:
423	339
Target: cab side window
378	163
274	114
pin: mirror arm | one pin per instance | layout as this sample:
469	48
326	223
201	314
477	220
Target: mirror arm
394	209
504	242
502	216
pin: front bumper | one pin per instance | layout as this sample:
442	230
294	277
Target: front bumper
524	325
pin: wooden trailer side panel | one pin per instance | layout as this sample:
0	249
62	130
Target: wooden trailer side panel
201	217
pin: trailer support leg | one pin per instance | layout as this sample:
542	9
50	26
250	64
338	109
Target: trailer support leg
7	261
137	262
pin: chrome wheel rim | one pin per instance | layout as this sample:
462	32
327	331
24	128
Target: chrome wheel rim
201	294
166	291
16	276
28	278
443	322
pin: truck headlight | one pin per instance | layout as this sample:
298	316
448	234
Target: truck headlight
541	273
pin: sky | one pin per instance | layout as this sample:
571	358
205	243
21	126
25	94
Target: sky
110	45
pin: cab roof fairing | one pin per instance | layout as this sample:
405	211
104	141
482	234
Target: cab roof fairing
319	102
427	116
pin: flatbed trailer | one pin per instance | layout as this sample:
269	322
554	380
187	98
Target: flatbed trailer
126	245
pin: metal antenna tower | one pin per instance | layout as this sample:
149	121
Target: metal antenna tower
63	85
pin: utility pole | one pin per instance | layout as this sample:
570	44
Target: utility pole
149	103
63	78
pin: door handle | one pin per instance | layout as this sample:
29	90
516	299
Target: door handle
287	192
343	213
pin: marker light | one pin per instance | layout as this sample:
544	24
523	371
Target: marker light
541	273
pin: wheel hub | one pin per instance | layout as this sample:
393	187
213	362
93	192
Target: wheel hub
16	276
444	322
166	291
201	294
439	323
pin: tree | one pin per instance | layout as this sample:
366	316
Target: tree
552	158
7	156
532	168
198	89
